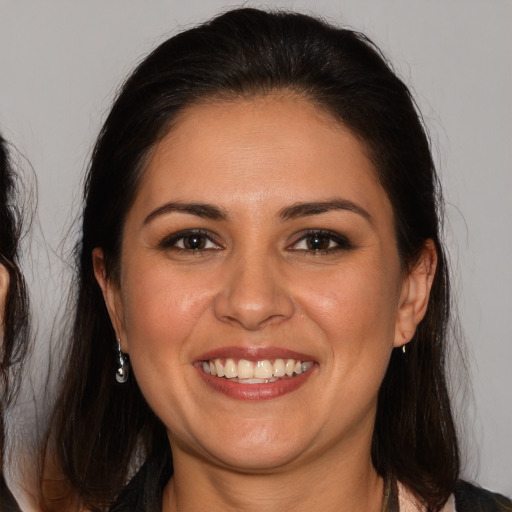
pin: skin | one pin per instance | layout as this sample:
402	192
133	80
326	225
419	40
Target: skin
4	286
257	285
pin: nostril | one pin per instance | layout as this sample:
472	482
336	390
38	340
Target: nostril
253	311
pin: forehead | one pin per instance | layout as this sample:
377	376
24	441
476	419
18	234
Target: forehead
281	147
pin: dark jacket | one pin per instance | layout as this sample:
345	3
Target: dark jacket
469	498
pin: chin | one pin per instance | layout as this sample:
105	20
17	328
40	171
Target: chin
257	459
262	448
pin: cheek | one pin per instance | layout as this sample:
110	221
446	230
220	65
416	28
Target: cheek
161	312
4	285
356	312
356	306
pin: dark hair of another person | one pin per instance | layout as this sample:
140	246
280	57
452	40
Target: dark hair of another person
98	424
13	340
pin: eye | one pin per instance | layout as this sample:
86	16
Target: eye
320	241
192	240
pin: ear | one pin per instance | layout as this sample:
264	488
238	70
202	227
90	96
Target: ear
415	294
111	295
4	286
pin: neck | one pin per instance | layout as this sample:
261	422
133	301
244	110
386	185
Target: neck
333	484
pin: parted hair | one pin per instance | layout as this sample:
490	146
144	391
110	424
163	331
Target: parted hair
99	425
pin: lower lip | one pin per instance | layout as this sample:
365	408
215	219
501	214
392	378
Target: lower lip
267	391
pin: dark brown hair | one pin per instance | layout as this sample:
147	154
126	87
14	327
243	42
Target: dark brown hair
14	339
98	424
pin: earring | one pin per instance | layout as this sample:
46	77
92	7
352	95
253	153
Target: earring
123	368
405	343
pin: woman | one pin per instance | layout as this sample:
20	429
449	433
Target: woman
13	308
261	270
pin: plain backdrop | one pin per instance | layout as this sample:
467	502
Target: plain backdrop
60	65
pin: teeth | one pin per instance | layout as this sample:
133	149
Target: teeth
255	372
245	369
263	370
278	368
290	366
219	368
255	381
230	369
307	365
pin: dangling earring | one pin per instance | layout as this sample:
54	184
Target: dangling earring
123	368
405	343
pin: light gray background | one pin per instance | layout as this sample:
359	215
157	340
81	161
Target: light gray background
60	64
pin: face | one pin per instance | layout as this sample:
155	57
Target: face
4	286
261	292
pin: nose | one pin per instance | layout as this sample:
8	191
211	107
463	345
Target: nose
254	294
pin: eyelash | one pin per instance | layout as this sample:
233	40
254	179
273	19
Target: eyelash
341	243
171	242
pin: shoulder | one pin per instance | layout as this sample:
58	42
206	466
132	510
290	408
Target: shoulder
144	491
132	498
466	497
470	498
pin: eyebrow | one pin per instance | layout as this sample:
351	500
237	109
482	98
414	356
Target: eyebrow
308	209
209	211
206	211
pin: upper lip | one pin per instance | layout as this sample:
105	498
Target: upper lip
254	353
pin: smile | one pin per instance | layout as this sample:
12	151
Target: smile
263	371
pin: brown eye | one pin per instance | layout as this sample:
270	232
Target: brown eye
195	242
318	242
